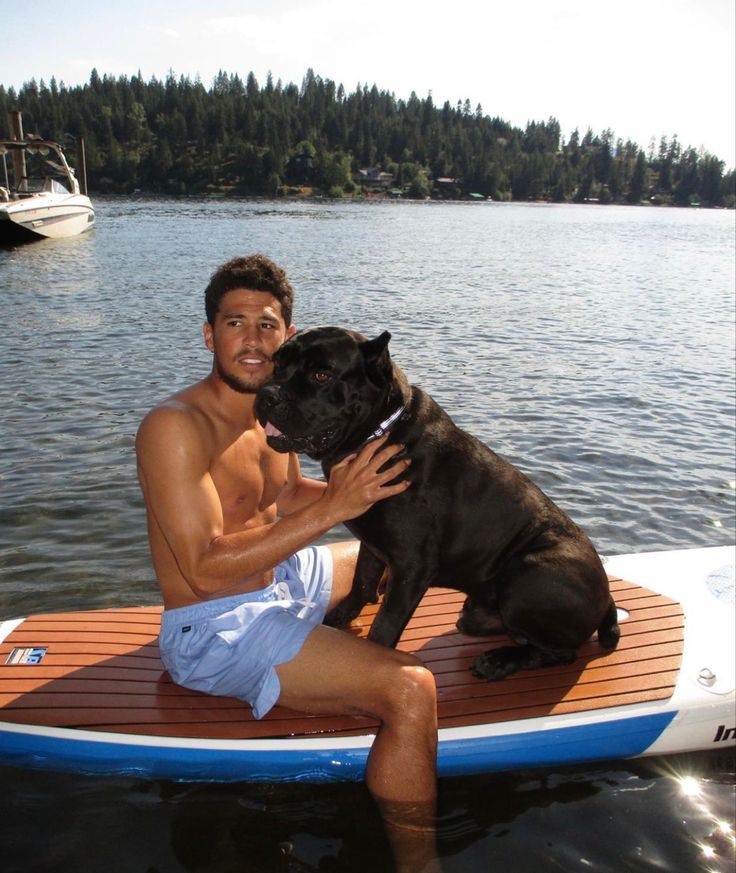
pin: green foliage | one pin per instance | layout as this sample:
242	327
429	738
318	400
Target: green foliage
419	187
176	136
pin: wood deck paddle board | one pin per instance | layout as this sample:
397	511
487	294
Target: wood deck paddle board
86	691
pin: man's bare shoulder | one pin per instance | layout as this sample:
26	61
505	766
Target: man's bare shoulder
179	421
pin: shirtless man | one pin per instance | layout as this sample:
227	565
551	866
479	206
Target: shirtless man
230	522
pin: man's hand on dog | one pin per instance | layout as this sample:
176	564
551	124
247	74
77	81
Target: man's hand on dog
358	481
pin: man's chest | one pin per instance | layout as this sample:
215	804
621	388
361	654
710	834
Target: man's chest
249	477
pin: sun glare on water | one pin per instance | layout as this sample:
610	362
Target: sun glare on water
718	849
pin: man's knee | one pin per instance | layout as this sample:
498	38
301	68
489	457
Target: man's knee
421	680
414	693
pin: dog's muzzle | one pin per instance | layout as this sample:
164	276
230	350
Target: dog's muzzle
278	413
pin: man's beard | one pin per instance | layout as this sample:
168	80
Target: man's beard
239	385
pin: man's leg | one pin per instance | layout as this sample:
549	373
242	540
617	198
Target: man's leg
368	679
404	752
337	673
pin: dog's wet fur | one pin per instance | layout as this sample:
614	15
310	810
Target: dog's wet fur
470	520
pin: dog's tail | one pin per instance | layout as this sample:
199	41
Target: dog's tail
609	632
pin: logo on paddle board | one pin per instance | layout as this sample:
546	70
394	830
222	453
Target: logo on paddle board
26	656
724	734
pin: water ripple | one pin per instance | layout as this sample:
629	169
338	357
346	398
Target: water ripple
570	340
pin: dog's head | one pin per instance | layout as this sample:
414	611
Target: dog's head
327	386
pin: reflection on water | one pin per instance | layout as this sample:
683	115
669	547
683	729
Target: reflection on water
645	816
593	347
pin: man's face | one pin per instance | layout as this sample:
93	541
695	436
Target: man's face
248	329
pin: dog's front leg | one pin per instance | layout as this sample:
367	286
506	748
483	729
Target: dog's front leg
368	572
403	593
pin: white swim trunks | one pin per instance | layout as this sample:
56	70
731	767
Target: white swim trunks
229	646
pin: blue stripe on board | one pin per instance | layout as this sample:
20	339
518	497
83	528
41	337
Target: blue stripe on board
623	738
602	740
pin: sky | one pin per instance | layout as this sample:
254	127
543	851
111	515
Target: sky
643	68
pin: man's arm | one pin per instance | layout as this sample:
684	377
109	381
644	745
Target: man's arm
299	491
174	465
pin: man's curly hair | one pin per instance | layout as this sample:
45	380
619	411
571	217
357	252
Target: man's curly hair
254	273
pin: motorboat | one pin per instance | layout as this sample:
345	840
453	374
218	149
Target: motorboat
40	196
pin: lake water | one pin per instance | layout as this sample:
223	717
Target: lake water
591	346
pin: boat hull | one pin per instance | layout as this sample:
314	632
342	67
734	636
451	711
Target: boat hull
42	217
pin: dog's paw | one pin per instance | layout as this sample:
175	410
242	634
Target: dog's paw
496	664
335	618
341	615
500	663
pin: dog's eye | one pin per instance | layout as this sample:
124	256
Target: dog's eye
322	376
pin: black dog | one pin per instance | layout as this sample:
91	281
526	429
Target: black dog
469	521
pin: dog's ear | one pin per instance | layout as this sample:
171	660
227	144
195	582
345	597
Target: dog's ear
377	359
373	349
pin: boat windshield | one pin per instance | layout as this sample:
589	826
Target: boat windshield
43	172
36	185
55	186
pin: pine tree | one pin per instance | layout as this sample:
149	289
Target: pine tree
177	135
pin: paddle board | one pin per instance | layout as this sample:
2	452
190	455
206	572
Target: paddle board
86	692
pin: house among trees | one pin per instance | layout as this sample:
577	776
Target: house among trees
300	166
374	179
447	188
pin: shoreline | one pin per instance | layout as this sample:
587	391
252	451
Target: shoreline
311	195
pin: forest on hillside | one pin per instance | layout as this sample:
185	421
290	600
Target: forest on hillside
177	136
